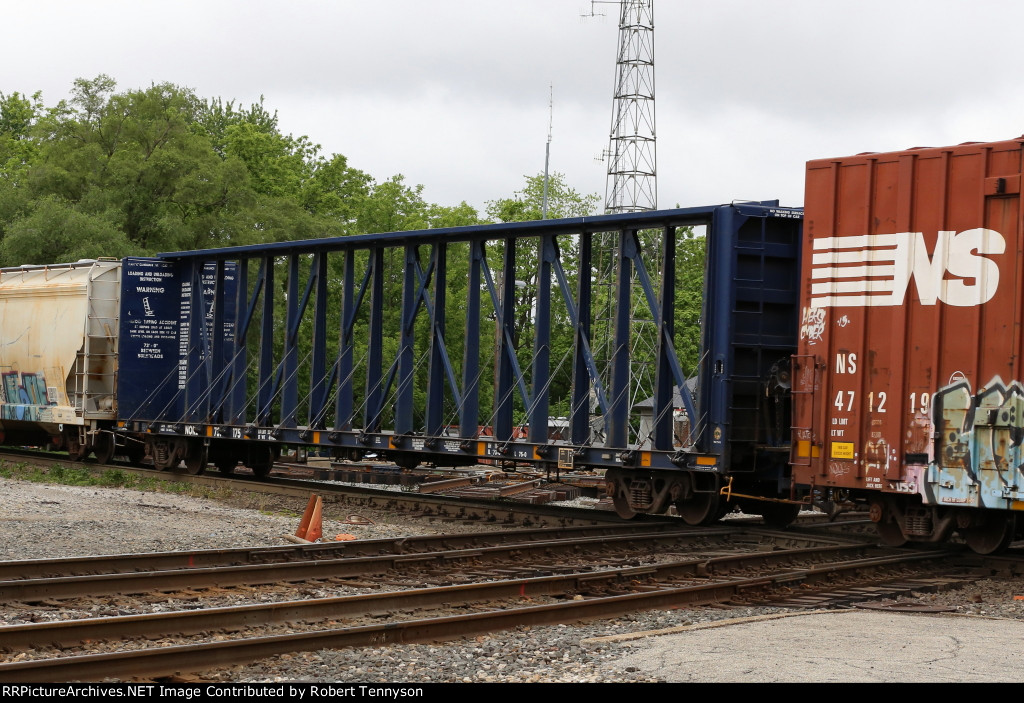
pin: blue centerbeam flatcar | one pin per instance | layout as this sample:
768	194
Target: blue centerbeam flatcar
350	346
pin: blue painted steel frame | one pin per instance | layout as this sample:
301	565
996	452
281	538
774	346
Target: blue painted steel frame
219	399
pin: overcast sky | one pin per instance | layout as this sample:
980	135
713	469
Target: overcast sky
454	93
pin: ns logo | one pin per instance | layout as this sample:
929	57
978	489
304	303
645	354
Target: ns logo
876	269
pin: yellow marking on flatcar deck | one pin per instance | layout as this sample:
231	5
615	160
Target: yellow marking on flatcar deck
706	461
481	448
565	458
316	438
645	458
1017	505
209	430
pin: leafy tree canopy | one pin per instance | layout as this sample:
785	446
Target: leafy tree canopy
528	203
111	173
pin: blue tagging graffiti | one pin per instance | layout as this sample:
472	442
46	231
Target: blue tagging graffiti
978	457
28	391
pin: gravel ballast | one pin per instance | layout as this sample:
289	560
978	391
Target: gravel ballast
51	521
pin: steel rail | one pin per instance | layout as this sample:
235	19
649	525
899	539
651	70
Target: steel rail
37	589
447	507
152	625
198	657
151	561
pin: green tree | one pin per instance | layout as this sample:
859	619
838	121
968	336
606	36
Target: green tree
134	160
527	204
75	235
691	250
166	170
524	205
18	148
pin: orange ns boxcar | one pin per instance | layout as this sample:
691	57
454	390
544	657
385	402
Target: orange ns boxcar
907	381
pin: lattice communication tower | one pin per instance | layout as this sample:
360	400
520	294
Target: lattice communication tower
632	167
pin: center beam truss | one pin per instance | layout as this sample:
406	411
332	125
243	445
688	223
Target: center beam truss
385	380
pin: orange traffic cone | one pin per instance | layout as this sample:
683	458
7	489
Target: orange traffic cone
312	526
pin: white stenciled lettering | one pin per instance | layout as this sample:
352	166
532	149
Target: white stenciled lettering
846	363
849	401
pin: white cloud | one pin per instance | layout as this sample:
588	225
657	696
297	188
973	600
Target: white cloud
453	93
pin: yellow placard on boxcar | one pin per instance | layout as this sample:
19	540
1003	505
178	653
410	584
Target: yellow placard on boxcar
842	450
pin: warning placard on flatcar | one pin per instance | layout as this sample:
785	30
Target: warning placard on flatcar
149	354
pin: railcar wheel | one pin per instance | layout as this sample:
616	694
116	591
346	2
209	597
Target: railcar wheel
261	460
408	462
196	460
104	447
616	488
135	451
76	450
890	533
779	514
622	509
991	534
702	508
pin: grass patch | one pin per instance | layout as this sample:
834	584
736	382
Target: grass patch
26	472
23	472
116	478
108	478
281	513
72	477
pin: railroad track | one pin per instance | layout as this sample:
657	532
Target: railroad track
153	561
466	507
571	550
502	511
762	568
479	479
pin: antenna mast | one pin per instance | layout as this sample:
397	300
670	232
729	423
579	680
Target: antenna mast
632	167
547	149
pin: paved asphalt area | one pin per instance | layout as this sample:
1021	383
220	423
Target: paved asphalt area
853	646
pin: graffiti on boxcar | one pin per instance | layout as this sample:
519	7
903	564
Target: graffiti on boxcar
981	431
877	455
919	430
813	324
839	468
24	396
